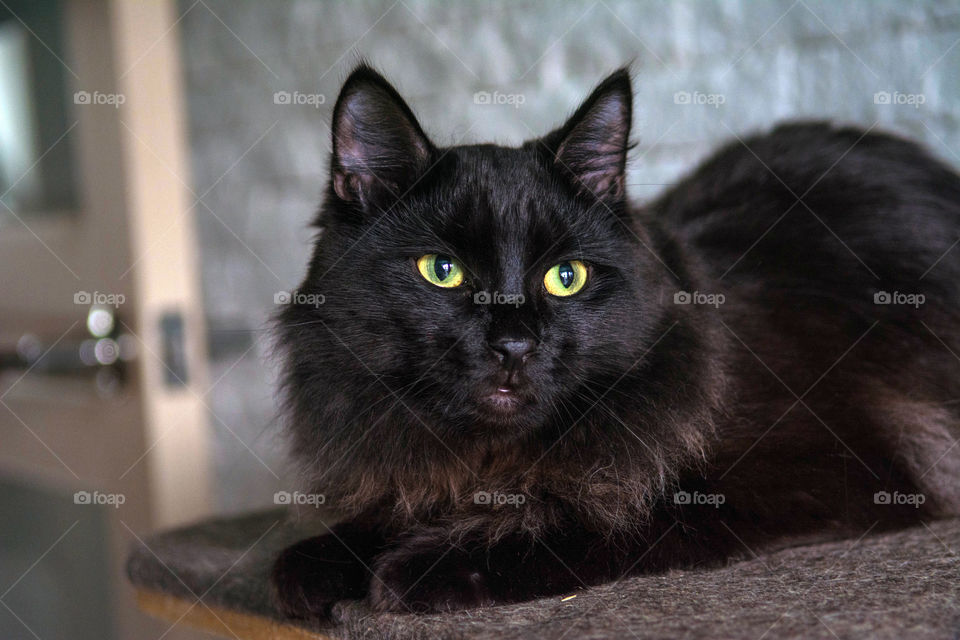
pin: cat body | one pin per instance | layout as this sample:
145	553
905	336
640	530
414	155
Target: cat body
575	389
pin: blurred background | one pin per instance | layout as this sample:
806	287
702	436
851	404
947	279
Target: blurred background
160	162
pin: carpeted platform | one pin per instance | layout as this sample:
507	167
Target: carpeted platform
898	585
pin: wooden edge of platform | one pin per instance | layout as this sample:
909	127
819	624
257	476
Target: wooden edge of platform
215	619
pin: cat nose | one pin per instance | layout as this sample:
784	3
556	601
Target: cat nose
513	352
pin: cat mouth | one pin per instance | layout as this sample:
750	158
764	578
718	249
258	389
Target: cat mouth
504	400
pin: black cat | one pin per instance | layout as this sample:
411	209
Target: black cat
519	383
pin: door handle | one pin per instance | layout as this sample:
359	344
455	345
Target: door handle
99	350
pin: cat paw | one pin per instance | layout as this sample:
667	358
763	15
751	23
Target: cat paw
312	575
426	575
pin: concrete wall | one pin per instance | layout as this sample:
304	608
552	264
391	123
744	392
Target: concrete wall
261	165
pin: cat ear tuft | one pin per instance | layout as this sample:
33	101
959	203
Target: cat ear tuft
591	148
379	149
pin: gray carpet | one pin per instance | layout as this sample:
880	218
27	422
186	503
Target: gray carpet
898	585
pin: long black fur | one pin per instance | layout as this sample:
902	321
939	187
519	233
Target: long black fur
783	409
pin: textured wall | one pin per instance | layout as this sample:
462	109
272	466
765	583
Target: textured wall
743	64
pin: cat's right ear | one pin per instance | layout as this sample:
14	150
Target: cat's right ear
591	148
379	149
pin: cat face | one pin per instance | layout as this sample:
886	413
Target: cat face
483	289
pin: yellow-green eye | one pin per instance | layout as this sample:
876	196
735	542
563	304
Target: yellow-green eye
440	270
566	278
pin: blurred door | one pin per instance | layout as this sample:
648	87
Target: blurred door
102	410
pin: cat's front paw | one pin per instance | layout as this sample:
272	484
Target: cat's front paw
310	576
428	575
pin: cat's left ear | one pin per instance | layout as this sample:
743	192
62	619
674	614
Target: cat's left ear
379	149
591	148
